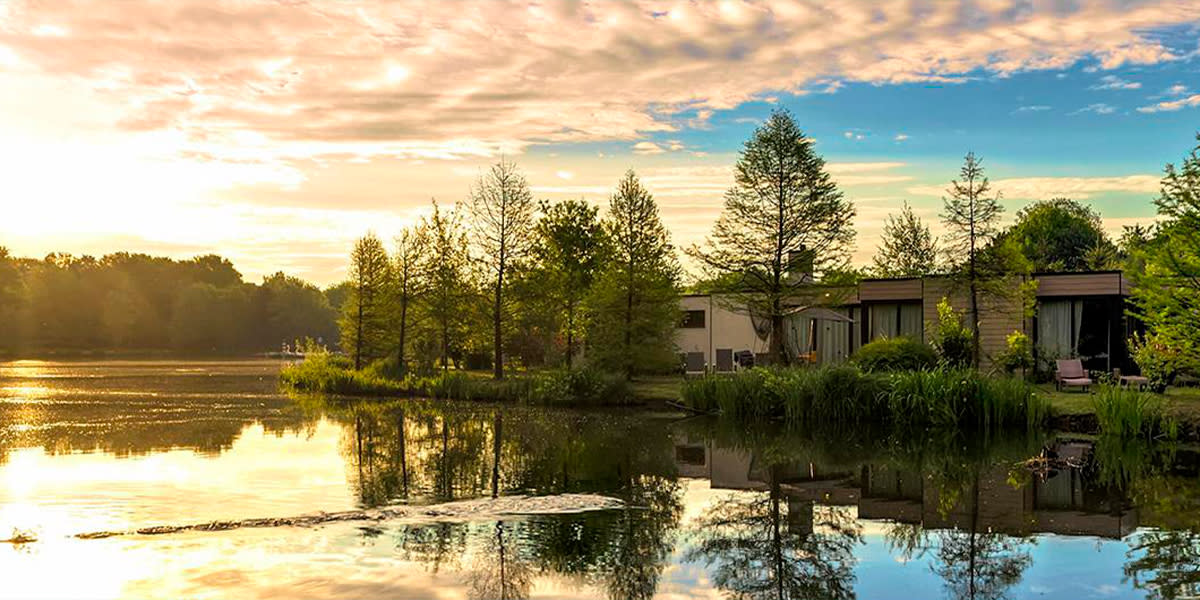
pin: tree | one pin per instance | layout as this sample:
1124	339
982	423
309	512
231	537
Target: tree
446	271
635	303
364	314
783	211
1167	292
294	309
972	218
907	249
570	247
12	296
502	215
411	247
1060	235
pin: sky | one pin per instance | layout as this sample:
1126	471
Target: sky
275	133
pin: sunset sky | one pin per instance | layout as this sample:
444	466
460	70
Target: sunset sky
275	133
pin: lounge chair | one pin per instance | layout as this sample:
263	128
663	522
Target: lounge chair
1070	373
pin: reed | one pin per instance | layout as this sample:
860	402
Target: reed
1126	413
326	373
845	395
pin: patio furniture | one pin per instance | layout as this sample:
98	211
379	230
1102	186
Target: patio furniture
744	359
1070	373
1133	381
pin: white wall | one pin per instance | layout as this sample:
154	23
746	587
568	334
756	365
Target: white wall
723	328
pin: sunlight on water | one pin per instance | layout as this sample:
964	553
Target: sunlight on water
711	513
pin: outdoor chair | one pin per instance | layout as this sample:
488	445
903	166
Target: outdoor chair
1070	373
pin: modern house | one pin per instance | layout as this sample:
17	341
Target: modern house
1076	315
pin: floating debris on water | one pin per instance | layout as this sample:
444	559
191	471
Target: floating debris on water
465	510
20	537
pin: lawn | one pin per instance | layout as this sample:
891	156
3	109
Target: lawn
1183	402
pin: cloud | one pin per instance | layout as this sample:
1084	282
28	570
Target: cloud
647	148
1112	82
900	137
1098	108
444	80
1042	188
1033	108
1172	105
854	135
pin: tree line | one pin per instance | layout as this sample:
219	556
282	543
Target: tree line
137	302
501	280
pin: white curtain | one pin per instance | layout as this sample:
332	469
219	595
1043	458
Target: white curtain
911	319
1055	327
884	321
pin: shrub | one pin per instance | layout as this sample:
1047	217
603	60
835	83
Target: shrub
895	354
951	338
1157	361
1126	413
1017	353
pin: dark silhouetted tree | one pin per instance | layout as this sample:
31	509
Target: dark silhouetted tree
364	315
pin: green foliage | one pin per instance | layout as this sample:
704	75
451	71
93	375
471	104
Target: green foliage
365	313
136	302
906	248
1125	413
1017	354
783	209
501	208
635	301
951	338
1158	360
570	247
841	396
1061	235
323	372
895	354
965	399
1167	290
449	302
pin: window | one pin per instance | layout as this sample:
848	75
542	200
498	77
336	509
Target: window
896	320
692	319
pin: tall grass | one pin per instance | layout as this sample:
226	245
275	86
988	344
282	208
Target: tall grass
1127	414
326	373
964	399
845	395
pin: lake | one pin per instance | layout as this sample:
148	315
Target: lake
708	511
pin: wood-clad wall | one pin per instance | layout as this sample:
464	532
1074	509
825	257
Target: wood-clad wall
999	316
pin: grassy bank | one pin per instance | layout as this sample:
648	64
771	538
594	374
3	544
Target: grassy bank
329	374
845	395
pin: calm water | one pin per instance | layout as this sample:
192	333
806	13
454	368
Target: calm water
711	513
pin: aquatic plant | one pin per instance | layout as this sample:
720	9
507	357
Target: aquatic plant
1128	413
326	373
846	395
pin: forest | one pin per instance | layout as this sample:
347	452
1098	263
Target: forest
136	302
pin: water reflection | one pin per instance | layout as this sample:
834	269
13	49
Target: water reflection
710	510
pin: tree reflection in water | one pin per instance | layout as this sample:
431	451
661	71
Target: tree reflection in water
760	545
499	572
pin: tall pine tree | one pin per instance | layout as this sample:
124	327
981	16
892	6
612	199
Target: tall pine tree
635	302
364	315
783	215
972	218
